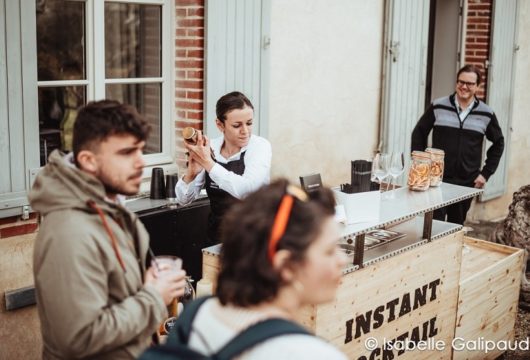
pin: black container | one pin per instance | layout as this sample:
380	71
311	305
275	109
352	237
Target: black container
171	181
360	175
158	188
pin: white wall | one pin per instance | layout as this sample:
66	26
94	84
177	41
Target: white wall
519	158
325	85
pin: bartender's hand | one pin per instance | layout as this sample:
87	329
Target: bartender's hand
480	181
169	284
194	168
201	152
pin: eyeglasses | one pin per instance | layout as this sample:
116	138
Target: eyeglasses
466	83
282	216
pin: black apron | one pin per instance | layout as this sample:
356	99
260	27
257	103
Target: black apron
220	200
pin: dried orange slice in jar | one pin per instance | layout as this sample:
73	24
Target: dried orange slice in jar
437	165
420	171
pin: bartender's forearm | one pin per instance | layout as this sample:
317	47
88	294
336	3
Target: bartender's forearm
208	165
188	177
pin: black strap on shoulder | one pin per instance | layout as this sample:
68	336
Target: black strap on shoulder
182	330
256	334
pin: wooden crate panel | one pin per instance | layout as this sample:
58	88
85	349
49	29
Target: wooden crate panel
421	285
488	296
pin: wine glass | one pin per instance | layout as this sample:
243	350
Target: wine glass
397	165
380	168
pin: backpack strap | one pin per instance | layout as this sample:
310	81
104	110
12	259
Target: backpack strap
181	332
256	334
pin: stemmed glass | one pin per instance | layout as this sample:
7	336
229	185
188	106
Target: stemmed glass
380	168
397	165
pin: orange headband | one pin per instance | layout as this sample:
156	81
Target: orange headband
282	216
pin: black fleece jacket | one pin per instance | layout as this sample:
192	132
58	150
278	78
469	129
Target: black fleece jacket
461	141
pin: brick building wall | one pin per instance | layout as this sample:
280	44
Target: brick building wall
189	70
478	35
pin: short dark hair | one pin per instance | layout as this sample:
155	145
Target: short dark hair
231	101
247	276
98	120
470	68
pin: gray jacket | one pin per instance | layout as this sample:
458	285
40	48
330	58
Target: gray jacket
90	296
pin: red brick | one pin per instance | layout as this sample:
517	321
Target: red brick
189	2
195	53
199	32
470	40
180	93
472	59
189	64
181	74
181	13
482	7
189	84
194	95
477	46
18	220
476	33
193	124
181	113
482	53
483	40
190	23
189	105
195	115
478	20
181	32
9	220
196	12
189	43
18	230
194	74
180	53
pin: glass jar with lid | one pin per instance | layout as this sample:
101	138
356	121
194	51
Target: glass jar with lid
437	165
420	171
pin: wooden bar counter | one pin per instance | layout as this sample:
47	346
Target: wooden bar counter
441	296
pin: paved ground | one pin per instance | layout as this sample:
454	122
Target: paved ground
482	230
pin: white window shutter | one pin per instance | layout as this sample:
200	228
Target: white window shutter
236	56
19	144
406	44
500	85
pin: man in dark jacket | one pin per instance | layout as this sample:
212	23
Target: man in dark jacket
459	123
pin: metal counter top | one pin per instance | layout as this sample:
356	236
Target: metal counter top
403	204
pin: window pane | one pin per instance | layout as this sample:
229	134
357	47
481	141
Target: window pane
132	40
147	99
57	114
60	40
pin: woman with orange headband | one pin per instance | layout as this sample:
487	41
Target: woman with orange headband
279	253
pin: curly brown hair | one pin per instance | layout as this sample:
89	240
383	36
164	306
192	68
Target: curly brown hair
247	276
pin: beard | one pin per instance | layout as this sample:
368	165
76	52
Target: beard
115	188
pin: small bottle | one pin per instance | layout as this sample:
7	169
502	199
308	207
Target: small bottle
437	165
420	171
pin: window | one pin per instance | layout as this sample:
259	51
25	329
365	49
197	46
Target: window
72	52
127	51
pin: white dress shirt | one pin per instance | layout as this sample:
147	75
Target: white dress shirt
257	171
463	113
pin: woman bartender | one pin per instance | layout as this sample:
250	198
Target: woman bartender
240	163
